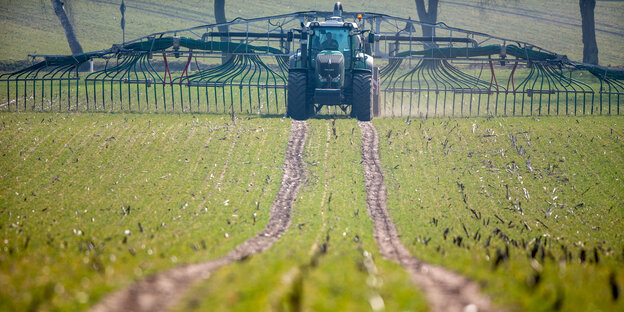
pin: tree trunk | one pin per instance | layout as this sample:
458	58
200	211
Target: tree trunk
429	16
74	45
590	47
219	12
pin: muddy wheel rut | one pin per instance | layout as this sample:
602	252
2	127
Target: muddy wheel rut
162	291
293	279
445	290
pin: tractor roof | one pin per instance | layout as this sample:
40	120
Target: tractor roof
338	22
334	21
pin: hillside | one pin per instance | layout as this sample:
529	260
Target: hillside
30	27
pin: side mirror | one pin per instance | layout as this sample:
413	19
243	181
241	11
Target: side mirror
371	38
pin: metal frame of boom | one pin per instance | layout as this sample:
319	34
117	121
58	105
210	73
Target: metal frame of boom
455	73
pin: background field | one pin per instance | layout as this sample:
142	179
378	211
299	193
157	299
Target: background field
30	26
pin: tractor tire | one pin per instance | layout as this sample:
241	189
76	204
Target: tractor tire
362	95
298	99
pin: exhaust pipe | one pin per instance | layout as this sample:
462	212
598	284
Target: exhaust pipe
338	9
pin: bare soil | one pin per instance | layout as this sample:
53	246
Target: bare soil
445	290
162	291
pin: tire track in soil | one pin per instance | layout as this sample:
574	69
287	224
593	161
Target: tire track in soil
445	290
162	291
293	279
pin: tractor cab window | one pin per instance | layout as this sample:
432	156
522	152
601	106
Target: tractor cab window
333	39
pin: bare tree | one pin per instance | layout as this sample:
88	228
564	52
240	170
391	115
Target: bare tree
68	7
590	47
74	45
219	12
428	15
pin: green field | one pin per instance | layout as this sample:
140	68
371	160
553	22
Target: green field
30	27
90	203
539	223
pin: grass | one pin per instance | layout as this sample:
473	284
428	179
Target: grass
553	25
542	235
93	202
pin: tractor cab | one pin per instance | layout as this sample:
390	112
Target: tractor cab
326	38
330	53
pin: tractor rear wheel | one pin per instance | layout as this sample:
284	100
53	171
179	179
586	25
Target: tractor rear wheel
298	99
362	95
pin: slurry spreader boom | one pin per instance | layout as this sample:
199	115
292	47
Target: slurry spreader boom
312	62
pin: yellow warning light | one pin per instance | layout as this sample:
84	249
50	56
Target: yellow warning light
359	16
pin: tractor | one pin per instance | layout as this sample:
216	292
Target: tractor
330	68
